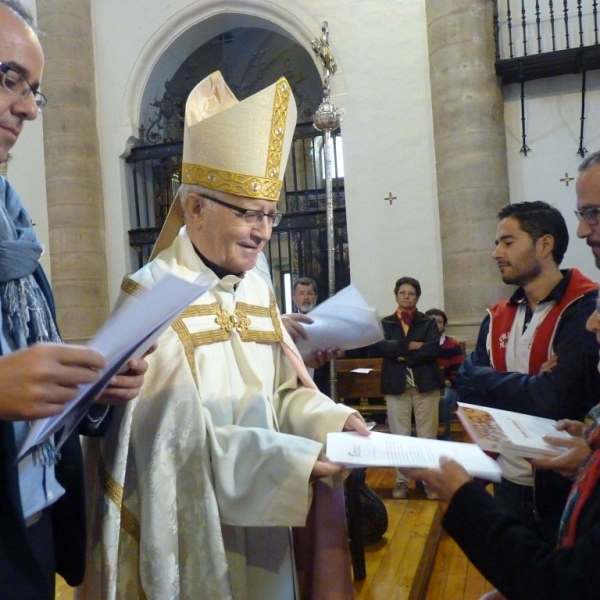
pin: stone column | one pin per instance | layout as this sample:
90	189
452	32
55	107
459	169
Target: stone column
73	177
470	148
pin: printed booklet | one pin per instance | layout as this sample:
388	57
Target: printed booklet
509	433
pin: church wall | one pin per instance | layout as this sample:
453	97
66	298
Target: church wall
552	113
382	83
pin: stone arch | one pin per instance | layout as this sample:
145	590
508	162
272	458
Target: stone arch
193	26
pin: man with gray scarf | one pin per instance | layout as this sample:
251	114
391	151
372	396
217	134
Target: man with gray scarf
41	498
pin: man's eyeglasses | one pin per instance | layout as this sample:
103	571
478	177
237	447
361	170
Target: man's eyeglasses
14	83
589	215
249	215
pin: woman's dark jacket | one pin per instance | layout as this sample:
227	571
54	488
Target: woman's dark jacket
422	361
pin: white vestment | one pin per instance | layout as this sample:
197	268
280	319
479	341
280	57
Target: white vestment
203	474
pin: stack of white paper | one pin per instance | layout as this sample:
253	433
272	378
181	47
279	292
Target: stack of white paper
344	322
386	450
127	334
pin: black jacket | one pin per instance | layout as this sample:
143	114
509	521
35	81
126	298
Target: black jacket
515	557
422	361
20	575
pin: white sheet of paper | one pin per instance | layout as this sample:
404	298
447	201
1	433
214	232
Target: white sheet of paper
127	334
362	370
344	322
387	450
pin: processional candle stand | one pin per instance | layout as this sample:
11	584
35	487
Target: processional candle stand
327	118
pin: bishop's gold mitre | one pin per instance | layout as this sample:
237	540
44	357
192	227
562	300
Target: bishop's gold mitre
240	148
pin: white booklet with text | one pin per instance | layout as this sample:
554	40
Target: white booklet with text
387	450
127	334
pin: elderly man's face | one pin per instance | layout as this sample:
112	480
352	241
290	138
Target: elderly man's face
20	49
588	196
223	235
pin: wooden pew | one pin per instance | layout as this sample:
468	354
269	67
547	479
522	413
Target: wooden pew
361	386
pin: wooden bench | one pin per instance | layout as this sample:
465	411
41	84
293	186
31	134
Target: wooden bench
361	386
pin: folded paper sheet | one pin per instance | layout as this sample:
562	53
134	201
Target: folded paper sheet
387	450
127	334
344	322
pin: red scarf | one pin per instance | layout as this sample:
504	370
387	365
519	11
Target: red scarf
406	316
585	483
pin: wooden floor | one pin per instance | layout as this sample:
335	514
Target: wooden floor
393	562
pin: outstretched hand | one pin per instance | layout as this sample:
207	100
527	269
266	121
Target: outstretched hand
293	325
443	481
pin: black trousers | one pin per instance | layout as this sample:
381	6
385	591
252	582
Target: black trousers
22	585
541	505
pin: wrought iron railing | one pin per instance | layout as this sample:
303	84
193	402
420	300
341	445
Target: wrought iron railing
544	38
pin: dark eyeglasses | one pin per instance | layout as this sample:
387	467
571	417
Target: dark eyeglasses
250	216
14	83
589	215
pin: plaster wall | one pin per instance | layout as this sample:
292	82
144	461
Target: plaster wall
382	83
552	119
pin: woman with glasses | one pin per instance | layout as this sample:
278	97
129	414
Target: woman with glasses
410	377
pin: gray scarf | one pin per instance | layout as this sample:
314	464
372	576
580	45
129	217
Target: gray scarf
25	313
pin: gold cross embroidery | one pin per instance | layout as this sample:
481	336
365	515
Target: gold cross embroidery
238	320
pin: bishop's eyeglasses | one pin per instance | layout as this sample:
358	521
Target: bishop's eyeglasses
589	215
14	83
249	215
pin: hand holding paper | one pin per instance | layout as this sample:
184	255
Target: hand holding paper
129	333
344	322
387	450
36	382
125	386
444	480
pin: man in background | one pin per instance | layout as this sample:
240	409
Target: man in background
449	359
305	294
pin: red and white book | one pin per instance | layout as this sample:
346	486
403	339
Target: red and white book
509	433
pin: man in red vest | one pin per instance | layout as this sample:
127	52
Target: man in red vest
533	353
